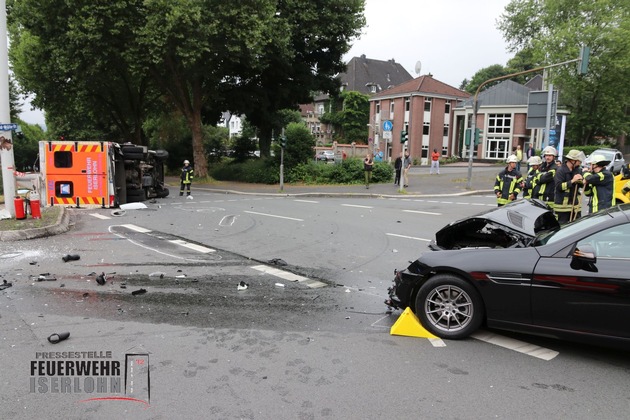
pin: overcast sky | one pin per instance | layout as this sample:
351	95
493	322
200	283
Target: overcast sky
453	39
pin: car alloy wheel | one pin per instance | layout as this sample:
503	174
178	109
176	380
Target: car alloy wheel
449	307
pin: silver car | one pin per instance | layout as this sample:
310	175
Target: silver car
614	156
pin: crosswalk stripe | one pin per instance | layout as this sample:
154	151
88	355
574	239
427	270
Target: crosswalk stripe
285	275
100	216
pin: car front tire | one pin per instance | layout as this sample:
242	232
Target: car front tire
449	307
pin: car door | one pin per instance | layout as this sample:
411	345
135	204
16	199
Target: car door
593	299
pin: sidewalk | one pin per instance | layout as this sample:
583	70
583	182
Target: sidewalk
421	184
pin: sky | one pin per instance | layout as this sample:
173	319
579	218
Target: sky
452	39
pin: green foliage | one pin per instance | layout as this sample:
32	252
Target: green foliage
553	31
245	144
300	143
25	150
349	113
261	171
486	73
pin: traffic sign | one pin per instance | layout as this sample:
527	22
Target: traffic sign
8	127
387	125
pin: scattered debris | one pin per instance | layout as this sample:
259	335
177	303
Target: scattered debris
86	295
242	286
133	206
71	257
123	286
347	290
56	338
33	262
118	213
184	313
5	285
279	285
62	285
46	277
101	279
157	274
181	276
394	250
189	197
139	292
278	261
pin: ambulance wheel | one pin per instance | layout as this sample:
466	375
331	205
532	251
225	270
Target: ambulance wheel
133	152
136	196
163	193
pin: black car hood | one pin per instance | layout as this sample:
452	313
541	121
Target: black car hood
513	225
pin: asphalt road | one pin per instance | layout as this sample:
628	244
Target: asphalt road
315	346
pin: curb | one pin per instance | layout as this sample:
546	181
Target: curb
60	226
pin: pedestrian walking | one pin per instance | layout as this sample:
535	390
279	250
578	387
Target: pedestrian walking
507	184
406	167
435	162
368	163
568	182
519	157
398	163
598	185
186	178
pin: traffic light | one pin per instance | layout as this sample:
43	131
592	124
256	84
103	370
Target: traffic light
478	135
283	141
585	53
404	136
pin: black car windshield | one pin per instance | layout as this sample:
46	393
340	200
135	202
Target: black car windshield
571	229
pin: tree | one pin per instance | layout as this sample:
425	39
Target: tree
486	73
554	30
349	116
79	61
309	40
300	143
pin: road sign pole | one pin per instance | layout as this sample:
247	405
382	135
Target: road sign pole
548	116
6	152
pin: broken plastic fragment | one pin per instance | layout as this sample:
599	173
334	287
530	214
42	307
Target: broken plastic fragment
139	292
56	338
242	286
71	257
279	285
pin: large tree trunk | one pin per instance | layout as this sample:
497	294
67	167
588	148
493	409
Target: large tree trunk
200	163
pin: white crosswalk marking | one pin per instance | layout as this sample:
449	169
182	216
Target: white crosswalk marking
285	275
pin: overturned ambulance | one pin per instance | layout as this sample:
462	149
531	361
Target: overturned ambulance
100	173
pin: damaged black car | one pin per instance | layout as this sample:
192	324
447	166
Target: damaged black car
515	268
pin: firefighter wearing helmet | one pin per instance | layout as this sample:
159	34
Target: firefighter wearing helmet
533	163
568	182
543	185
598	184
507	184
186	178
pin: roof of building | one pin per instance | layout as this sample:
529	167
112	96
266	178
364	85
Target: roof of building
363	72
505	93
424	85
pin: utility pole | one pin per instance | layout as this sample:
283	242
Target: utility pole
6	152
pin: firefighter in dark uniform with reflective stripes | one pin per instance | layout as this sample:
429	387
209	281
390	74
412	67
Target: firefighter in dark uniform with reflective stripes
568	181
544	182
599	184
507	185
534	163
186	178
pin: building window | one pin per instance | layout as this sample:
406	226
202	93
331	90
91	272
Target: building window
391	107
425	128
320	110
497	148
445	133
373	88
447	108
378	107
499	123
425	151
427	104
407	104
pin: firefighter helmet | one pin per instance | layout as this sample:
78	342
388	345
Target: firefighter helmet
576	155
549	151
534	160
598	160
512	159
186	162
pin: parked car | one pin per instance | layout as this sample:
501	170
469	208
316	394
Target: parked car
325	155
515	268
617	161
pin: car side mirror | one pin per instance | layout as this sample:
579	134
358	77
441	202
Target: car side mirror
584	258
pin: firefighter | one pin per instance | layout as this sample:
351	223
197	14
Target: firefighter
598	184
507	185
186	178
568	181
533	163
544	183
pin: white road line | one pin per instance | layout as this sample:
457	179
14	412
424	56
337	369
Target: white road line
100	216
516	345
273	215
307	201
285	275
358	206
194	247
408	237
230	218
437	342
423	212
136	228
